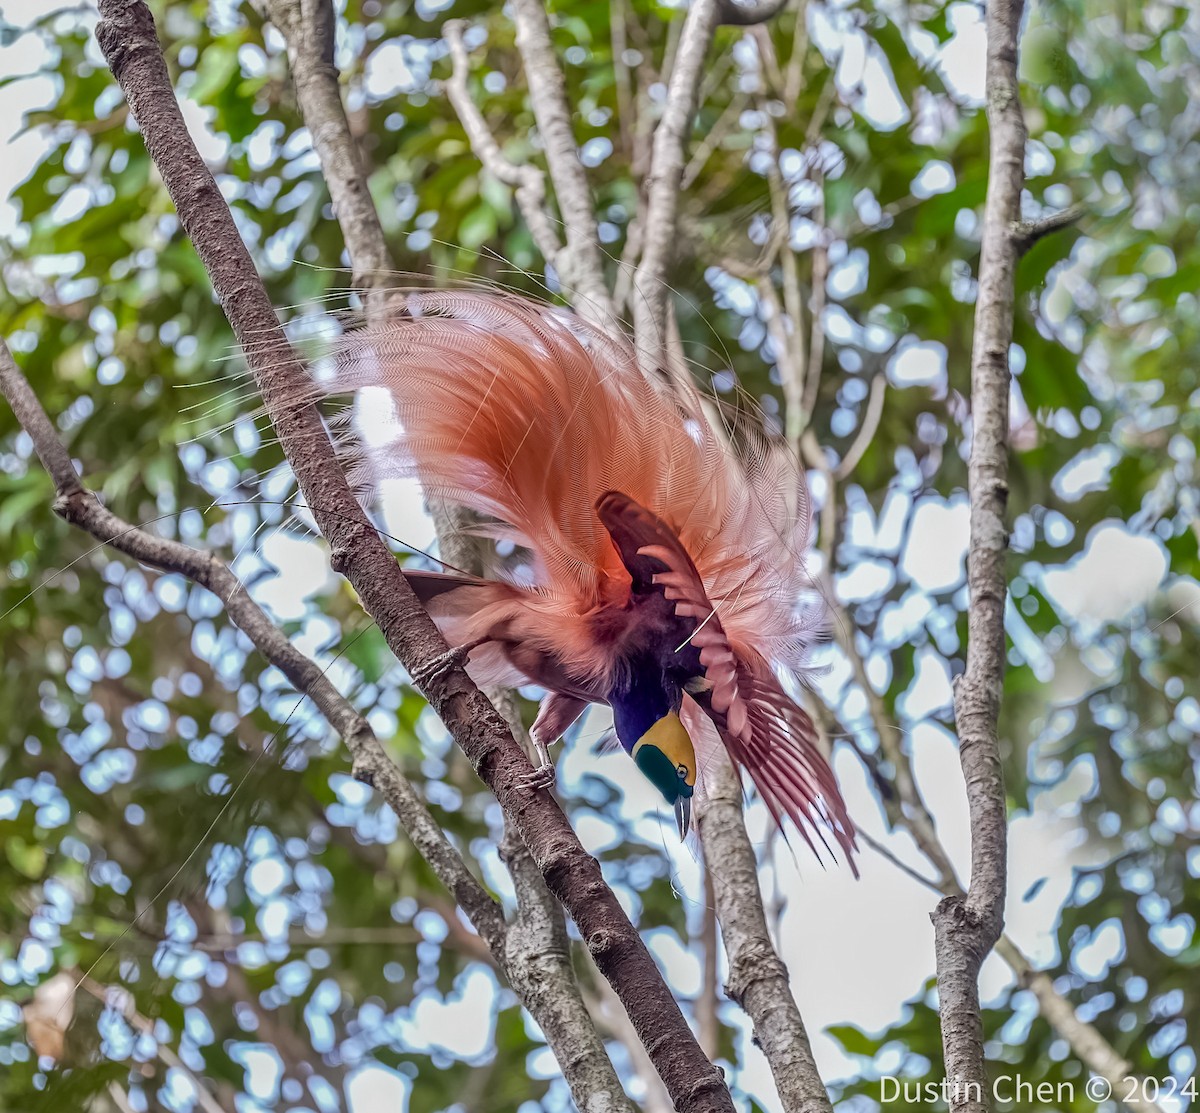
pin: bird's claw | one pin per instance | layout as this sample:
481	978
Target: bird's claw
424	675
543	776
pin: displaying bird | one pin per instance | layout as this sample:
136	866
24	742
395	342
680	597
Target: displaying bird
664	573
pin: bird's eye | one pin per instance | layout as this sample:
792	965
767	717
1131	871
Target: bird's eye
682	770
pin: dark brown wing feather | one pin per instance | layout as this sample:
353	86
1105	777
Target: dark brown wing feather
763	729
429	585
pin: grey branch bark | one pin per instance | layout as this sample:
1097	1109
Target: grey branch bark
667	162
308	28
1094	1051
128	37
581	264
528	181
758	978
1028	232
966	929
539	966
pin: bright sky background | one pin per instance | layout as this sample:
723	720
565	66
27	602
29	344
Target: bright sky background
856	949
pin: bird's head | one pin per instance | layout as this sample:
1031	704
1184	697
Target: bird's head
665	754
646	717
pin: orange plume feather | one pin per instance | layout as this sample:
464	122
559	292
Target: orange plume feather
530	416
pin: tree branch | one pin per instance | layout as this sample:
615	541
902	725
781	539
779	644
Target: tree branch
1088	1045
758	979
308	29
581	265
866	431
538	957
528	181
127	36
606	1006
708	1020
966	929
1093	1050
649	295
1026	233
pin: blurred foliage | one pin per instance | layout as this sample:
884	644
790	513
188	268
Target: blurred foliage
176	822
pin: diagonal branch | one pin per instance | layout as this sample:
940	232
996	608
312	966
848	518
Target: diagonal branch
667	165
581	265
1089	1046
528	181
758	979
128	37
966	929
1093	1050
866	431
1027	232
308	29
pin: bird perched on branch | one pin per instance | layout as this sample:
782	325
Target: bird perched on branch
664	573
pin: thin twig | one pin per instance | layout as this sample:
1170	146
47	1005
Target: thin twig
866	431
1094	1051
308	28
1089	1046
1026	233
120	1098
621	77
716	135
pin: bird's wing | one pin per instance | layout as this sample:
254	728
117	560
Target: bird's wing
517	639
430	585
761	726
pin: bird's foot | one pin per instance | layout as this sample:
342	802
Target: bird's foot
543	776
424	675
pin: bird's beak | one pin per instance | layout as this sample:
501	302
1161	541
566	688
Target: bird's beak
683	815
